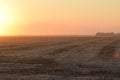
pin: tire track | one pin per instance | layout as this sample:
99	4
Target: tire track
56	69
78	45
107	52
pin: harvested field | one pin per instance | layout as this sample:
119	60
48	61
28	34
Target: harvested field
59	58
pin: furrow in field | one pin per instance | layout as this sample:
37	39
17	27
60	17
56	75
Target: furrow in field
73	59
106	55
32	44
39	60
37	50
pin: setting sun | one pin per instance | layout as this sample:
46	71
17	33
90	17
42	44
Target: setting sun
6	18
3	17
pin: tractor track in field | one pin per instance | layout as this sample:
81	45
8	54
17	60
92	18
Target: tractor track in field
54	52
52	67
107	52
30	46
70	47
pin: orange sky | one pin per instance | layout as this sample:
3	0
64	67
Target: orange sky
59	17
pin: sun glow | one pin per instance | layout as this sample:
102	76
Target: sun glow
6	18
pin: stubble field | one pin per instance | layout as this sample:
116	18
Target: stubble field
60	58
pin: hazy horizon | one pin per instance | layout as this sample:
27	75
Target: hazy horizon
58	17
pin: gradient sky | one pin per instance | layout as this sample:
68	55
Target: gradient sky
60	17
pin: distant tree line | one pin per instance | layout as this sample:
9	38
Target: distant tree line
111	34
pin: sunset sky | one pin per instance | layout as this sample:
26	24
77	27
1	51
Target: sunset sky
59	17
